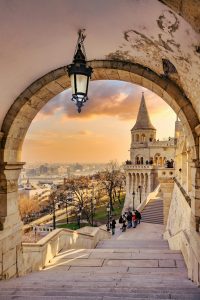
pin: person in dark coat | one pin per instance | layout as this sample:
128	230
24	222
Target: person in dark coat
124	226
129	219
113	223
138	216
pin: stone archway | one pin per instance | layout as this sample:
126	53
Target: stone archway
29	103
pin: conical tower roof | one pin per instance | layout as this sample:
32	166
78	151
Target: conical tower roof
143	120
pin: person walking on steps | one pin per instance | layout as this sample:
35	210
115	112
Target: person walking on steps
113	223
129	219
134	219
124	225
138	216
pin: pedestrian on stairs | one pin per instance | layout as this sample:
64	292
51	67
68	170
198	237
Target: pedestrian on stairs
134	219
129	219
138	216
124	226
113	223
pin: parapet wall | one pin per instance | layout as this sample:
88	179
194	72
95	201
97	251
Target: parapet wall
181	235
37	255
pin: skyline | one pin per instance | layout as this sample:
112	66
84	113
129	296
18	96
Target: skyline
89	136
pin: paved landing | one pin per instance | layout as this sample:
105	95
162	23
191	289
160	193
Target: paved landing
136	264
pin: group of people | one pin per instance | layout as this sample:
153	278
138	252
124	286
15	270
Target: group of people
130	219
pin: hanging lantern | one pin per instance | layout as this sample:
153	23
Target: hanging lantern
79	73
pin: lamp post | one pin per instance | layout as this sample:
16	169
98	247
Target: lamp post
133	194
140	192
93	203
79	73
69	198
79	217
108	217
54	212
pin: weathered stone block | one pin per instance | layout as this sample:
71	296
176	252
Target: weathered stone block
35	86
112	74
137	79
59	72
9	259
44	94
124	76
100	74
147	83
54	87
10	272
137	69
64	81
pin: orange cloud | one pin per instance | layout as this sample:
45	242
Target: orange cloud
106	98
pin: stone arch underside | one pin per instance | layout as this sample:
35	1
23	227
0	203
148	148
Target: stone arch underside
32	99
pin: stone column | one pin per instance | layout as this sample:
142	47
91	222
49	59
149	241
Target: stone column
11	259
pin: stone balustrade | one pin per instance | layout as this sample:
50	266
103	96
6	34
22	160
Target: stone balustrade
133	166
37	255
181	234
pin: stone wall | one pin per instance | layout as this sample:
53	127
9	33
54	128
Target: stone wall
181	234
11	259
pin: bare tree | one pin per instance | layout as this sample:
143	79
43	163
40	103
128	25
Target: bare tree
110	179
84	196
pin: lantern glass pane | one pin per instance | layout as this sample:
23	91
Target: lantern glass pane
73	83
81	83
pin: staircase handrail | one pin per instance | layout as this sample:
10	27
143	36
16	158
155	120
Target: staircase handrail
185	195
149	197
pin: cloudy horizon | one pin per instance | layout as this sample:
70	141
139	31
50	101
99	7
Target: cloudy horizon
101	132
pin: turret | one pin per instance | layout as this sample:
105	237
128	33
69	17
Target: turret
142	132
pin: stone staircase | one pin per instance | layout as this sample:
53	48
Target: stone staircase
153	212
136	264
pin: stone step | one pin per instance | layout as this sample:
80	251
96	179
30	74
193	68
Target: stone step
100	294
152	209
149	209
153	218
128	270
160	204
135	255
151	244
154	221
117	250
92	282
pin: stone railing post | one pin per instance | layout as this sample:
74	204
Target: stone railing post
166	186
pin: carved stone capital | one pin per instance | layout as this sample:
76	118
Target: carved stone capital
12	166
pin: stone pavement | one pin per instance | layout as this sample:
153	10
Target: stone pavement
136	264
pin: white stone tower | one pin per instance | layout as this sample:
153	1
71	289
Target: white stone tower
148	158
142	132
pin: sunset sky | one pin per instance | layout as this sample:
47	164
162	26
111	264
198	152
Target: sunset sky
101	132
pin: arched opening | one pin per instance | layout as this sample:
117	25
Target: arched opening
137	138
27	105
143	138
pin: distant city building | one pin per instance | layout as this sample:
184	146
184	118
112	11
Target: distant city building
31	192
